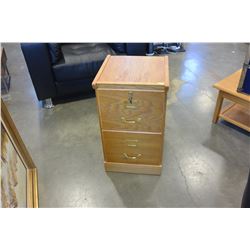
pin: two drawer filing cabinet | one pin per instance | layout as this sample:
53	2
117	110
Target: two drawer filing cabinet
131	98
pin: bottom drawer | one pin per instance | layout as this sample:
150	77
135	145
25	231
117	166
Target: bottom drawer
138	148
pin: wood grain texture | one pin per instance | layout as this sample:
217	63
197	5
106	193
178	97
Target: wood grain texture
35	188
236	99
100	71
145	113
145	70
30	193
237	115
15	137
133	168
131	98
9	126
218	106
132	86
230	84
133	147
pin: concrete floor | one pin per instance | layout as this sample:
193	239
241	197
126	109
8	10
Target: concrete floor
205	165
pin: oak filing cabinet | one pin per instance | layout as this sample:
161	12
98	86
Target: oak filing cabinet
131	98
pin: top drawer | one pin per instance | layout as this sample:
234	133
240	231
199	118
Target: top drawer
131	110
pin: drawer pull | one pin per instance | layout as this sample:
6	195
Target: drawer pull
132	140
130	121
130	106
131	157
132	143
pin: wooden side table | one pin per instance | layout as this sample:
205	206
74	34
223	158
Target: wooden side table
237	113
131	96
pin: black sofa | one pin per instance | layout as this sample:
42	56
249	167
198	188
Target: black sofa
246	196
61	70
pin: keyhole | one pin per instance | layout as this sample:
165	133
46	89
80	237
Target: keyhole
130	97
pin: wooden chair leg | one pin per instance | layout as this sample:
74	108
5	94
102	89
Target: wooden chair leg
218	107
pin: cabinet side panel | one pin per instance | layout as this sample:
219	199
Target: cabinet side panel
100	123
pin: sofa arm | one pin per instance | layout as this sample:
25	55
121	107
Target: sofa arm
138	48
39	65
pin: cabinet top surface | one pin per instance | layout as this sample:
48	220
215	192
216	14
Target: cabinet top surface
131	70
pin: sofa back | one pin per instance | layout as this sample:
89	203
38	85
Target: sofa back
55	52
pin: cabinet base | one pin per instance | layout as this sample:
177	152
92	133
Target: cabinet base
133	168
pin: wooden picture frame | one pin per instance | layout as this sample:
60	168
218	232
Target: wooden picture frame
9	131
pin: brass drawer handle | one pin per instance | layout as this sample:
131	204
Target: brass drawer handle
130	106
132	140
131	143
131	157
130	121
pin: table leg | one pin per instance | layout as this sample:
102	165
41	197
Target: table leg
218	107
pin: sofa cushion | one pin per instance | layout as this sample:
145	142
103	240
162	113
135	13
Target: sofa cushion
55	52
81	61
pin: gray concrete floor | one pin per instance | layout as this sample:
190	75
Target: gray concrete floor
205	165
